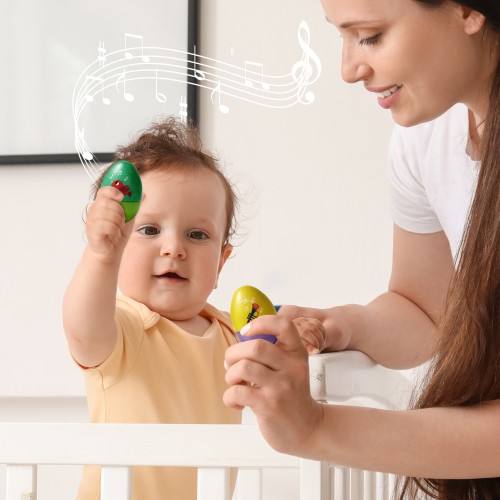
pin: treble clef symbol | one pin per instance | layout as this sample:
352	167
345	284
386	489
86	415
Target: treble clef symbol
302	71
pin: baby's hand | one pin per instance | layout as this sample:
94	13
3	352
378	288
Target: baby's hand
312	333
107	232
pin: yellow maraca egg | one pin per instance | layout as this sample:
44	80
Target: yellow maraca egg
247	304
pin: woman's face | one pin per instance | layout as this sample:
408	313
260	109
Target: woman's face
418	60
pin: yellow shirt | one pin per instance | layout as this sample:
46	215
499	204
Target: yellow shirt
159	373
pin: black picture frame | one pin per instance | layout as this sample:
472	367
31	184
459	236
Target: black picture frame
192	98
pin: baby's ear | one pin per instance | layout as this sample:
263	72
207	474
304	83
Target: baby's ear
226	251
474	21
224	255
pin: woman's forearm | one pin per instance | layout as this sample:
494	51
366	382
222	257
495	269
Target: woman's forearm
391	329
451	443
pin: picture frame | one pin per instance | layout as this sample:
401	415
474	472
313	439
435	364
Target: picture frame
66	67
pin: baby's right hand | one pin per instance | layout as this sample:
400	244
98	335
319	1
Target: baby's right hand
334	334
107	232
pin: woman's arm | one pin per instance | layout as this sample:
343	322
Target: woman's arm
397	329
273	380
89	301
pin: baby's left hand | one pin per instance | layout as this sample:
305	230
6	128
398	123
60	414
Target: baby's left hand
312	333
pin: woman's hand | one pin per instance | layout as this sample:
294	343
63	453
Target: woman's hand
273	380
333	334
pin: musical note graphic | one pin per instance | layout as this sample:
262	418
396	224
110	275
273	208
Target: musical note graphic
126	95
199	75
222	107
132	39
260	74
87	155
88	81
160	97
302	70
89	96
183	111
226	81
105	100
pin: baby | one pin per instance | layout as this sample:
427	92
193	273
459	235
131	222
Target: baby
155	354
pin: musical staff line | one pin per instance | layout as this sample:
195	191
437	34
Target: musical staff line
249	83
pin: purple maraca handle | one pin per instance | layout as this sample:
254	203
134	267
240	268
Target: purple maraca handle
269	338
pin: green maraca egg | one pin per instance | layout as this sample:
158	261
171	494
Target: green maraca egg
123	176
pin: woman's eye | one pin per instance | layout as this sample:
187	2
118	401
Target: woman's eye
197	235
371	40
148	230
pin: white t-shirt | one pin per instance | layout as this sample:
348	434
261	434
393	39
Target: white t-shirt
431	176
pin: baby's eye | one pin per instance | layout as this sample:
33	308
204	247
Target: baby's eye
197	235
148	230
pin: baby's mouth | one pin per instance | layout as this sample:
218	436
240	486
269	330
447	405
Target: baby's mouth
170	275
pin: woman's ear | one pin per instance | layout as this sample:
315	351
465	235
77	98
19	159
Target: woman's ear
474	21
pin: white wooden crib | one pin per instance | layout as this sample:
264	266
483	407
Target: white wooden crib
337	378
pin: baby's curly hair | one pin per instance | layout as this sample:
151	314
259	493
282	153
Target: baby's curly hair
172	146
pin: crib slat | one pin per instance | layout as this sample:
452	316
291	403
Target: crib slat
357	483
314	480
213	483
21	482
115	483
342	489
249	484
370	486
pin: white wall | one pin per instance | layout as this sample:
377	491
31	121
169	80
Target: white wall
317	226
315	218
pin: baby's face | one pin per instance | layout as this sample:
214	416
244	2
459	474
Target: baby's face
173	258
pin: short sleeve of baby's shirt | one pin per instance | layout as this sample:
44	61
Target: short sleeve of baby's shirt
132	319
410	206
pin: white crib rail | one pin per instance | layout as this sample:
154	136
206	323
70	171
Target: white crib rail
337	378
213	449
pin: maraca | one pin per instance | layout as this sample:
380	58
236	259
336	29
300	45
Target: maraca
123	176
247	304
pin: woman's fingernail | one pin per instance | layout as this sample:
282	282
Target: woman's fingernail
245	329
225	364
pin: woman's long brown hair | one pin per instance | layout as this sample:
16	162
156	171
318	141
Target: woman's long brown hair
466	368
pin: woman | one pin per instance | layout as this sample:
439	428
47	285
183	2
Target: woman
435	65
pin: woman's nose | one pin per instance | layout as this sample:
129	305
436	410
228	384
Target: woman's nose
354	67
173	246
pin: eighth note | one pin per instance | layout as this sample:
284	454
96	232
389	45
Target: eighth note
129	55
86	154
160	96
89	80
126	95
260	73
199	75
222	107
